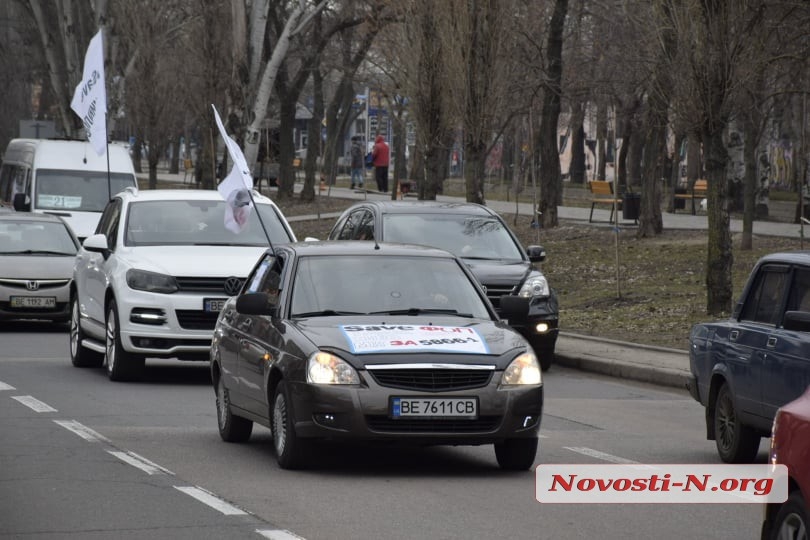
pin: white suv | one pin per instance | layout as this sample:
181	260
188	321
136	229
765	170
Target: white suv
151	281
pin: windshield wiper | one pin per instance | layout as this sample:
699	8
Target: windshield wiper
35	252
324	313
421	311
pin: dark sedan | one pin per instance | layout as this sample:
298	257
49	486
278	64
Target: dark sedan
481	238
374	342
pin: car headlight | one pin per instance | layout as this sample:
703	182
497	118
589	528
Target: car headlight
535	285
523	370
325	368
142	280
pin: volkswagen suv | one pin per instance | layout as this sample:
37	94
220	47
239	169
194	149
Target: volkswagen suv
151	281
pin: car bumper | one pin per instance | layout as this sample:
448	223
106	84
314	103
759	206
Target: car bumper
692	386
363	413
60	311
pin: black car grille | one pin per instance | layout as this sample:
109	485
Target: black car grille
211	285
432	380
382	423
193	319
494	293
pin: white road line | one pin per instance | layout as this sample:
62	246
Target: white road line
34	404
590	452
4	386
140	462
82	431
206	497
278	534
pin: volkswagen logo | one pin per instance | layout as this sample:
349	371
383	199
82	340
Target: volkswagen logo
32	285
232	286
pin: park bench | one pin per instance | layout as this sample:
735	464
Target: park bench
602	193
698	192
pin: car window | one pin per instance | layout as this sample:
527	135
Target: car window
379	284
799	297
482	237
365	229
764	303
198	223
108	226
349	230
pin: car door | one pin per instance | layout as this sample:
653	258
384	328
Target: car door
747	341
786	372
93	273
259	337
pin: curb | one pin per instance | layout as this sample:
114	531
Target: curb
673	378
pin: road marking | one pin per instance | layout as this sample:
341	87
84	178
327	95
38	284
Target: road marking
34	404
278	534
590	452
140	462
4	386
206	497
82	431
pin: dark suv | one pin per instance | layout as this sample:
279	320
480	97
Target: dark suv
480	237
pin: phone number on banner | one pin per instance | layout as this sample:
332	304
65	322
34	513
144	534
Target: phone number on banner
405	338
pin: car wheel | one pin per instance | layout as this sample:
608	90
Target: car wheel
232	428
516	454
121	365
736	442
792	519
81	356
291	451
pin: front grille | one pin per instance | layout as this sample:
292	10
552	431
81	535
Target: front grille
41	284
494	293
211	285
382	423
432	380
193	319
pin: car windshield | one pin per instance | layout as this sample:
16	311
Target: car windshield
197	223
35	238
397	285
79	191
471	237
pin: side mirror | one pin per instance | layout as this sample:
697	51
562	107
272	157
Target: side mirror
797	320
257	303
536	253
21	203
97	244
514	308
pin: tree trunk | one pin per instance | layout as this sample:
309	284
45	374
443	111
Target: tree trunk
749	183
577	171
675	171
398	148
314	141
719	254
601	139
286	150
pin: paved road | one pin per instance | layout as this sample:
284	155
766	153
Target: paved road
55	483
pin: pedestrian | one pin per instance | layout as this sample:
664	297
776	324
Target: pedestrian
357	163
381	155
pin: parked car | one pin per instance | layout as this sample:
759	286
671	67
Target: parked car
373	342
151	281
36	266
746	367
481	238
790	446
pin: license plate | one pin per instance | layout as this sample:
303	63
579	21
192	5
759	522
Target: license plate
214	304
413	407
41	302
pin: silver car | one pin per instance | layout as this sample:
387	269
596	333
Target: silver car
36	266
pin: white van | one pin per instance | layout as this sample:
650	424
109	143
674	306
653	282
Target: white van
65	178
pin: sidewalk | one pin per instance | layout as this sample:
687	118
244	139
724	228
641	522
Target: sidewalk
656	365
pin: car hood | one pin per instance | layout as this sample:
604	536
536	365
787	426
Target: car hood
499	272
401	339
37	266
201	261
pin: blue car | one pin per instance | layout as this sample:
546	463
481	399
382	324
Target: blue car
746	367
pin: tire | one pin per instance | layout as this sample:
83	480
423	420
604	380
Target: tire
736	442
516	454
121	365
80	356
792	519
232	428
291	451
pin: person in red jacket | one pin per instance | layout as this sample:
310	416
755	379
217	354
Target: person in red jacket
381	158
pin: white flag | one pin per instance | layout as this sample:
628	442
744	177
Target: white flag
235	188
90	96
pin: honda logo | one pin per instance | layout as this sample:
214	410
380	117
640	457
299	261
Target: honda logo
32	285
232	286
